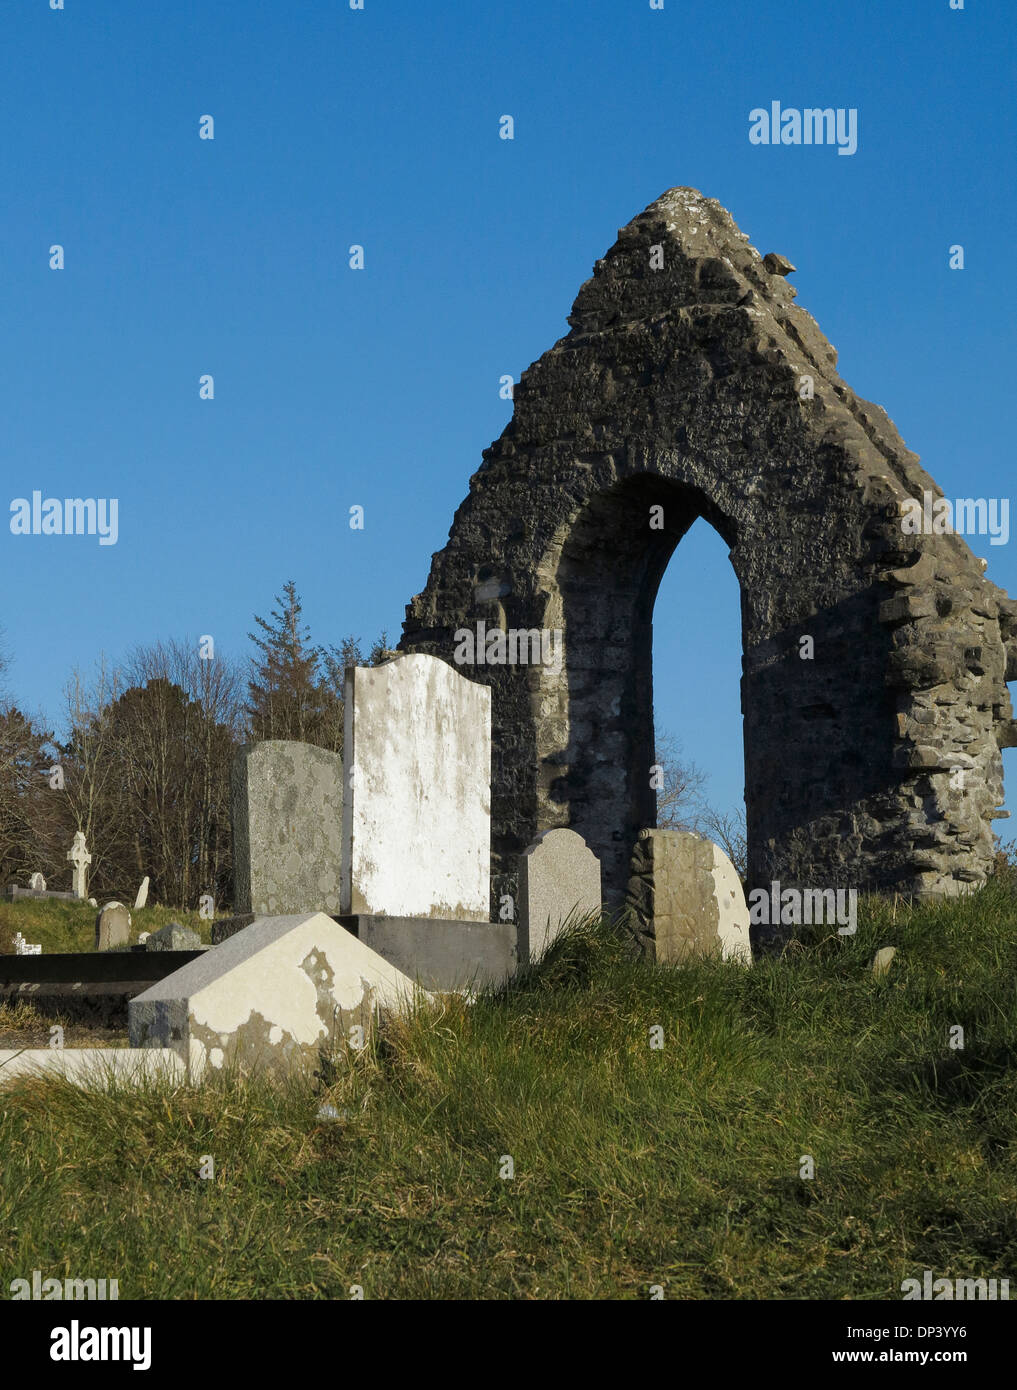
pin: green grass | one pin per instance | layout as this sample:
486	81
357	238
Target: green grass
633	1167
70	926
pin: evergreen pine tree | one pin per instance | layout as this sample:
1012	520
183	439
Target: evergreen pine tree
286	698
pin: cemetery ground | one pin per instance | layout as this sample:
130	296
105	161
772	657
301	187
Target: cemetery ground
70	926
632	1166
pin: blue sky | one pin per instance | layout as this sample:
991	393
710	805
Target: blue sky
380	388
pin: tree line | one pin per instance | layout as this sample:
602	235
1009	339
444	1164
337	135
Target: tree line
144	761
144	764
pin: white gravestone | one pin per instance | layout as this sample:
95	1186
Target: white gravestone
37	883
417	792
79	856
25	948
559	877
142	897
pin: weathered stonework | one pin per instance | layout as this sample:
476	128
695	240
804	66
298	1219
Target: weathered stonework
173	937
685	899
273	996
688	388
287	809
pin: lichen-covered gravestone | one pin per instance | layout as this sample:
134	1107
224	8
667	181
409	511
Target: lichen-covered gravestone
559	877
287	805
686	898
112	926
417	803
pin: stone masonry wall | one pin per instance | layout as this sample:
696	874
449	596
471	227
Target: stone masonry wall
877	764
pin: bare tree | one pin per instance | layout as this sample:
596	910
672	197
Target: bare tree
682	805
727	829
177	728
679	784
93	788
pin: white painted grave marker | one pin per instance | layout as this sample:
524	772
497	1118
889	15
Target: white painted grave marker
417	795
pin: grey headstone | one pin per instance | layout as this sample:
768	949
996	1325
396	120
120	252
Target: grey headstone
142	897
112	926
417	803
559	877
173	937
286	807
686	898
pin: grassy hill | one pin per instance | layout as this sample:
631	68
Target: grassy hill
633	1167
70	926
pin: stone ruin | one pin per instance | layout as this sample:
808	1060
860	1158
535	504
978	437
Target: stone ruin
691	385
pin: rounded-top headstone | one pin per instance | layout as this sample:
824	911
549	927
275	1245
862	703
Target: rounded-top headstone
112	926
559	878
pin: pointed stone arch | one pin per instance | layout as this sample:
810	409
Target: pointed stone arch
701	388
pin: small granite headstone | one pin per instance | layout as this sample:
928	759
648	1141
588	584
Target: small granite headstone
559	877
112	926
173	937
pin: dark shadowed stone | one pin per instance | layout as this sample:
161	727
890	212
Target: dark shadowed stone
225	927
778	265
